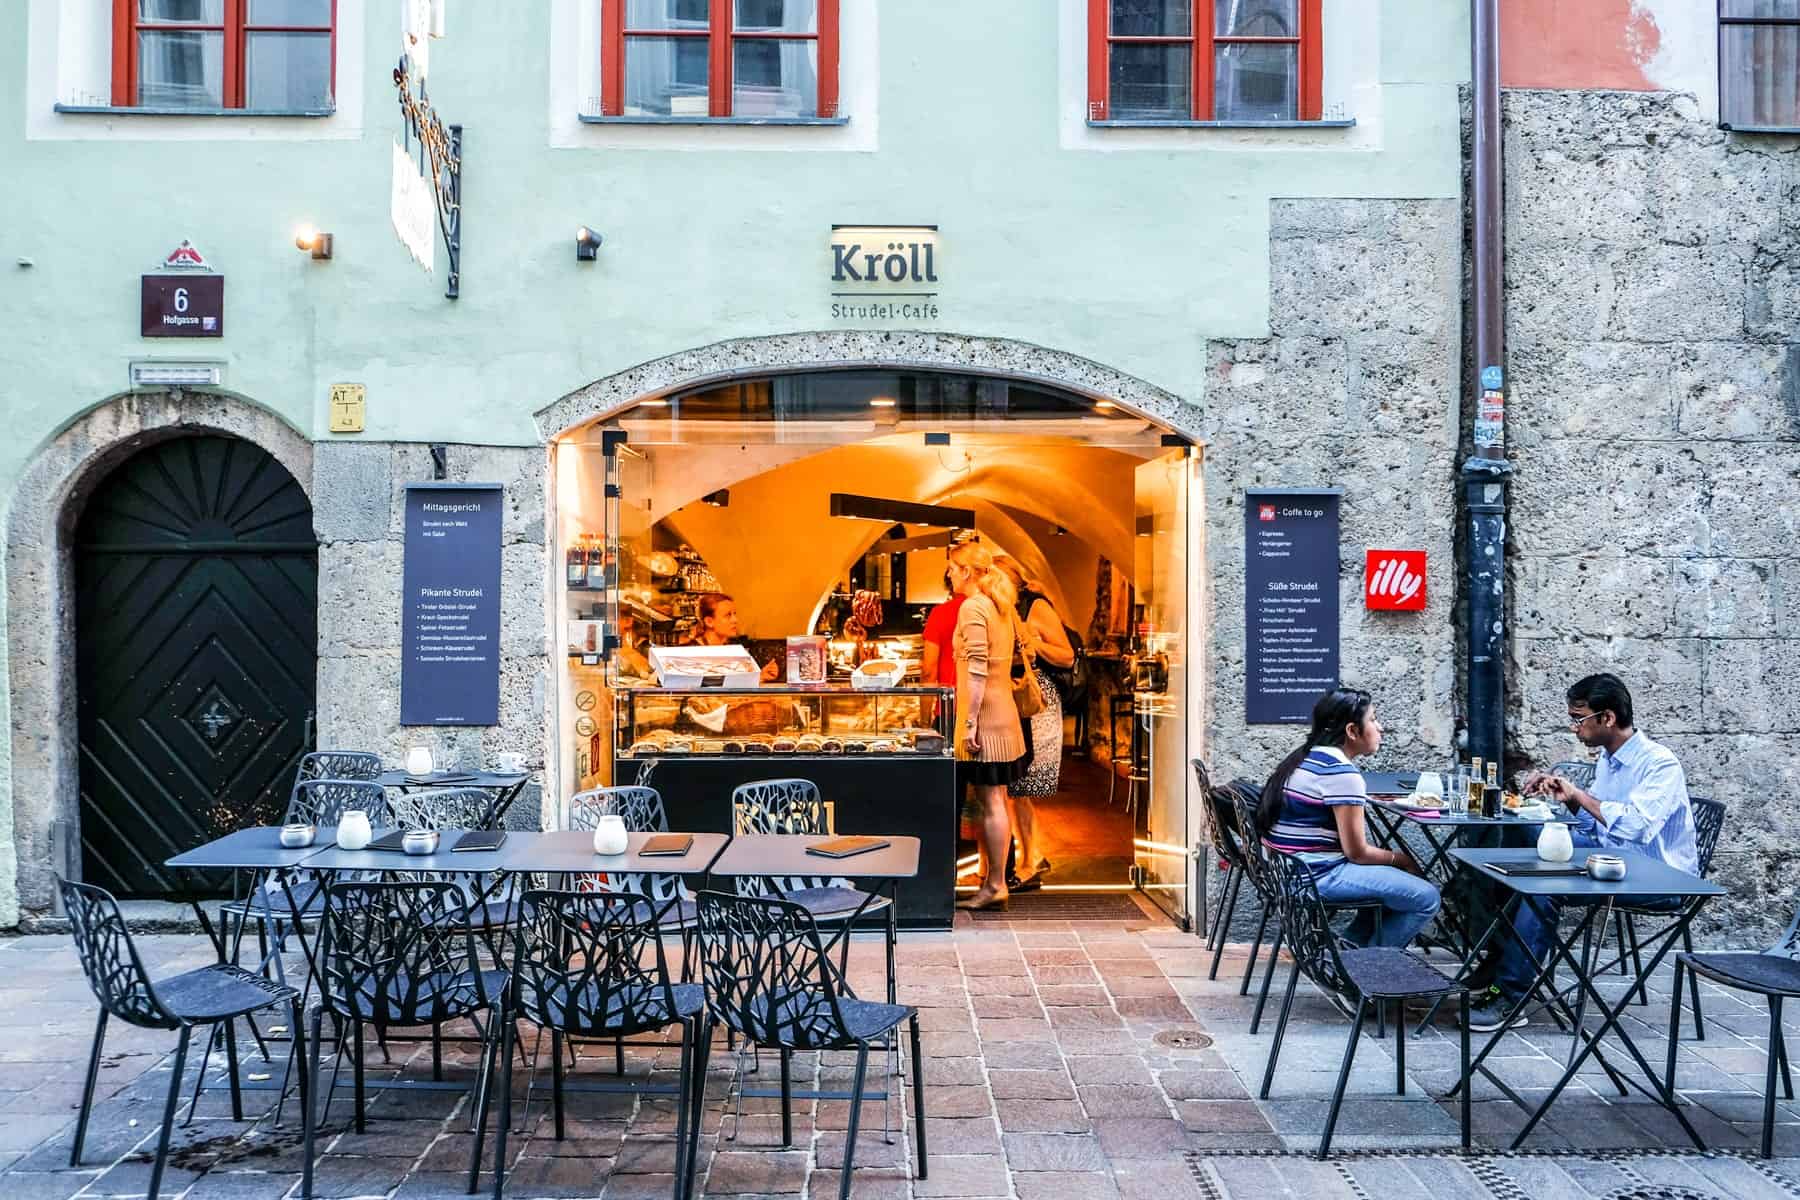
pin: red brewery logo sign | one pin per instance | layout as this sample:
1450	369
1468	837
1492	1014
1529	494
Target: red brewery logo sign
1394	580
188	256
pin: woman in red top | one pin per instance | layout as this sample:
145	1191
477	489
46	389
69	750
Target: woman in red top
940	630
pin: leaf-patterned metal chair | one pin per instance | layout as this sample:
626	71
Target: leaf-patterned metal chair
1709	823
393	954
1225	836
1368	976
770	982
642	810
210	996
586	965
339	764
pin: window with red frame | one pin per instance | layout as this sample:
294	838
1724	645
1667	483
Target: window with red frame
275	55
1205	60
719	58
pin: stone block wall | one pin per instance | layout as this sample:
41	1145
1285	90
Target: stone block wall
1653	337
360	514
1355	387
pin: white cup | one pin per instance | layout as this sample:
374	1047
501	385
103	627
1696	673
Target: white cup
353	832
610	836
418	760
509	763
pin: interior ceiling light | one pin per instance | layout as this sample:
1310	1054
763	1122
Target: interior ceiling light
718	499
1104	406
653	404
883	402
900	512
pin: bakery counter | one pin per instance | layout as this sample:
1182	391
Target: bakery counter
912	794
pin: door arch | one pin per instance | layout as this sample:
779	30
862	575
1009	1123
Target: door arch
196	635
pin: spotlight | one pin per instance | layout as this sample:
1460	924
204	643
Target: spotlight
587	243
1060	532
718	499
883	402
311	240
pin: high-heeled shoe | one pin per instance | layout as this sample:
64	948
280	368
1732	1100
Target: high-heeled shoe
976	904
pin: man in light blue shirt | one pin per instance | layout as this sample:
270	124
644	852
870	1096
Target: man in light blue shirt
1638	801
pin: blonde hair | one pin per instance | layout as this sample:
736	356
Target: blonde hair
1013	570
989	578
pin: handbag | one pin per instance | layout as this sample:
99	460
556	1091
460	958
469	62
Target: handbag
1027	693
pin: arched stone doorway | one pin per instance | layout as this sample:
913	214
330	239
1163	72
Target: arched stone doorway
40	622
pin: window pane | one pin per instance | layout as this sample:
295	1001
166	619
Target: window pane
666	77
1150	82
287	70
778	16
1761	8
775	78
1257	83
667	14
184	12
1761	72
181	70
1256	18
289	12
1152	18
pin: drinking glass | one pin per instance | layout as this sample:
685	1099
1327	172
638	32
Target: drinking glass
1459	792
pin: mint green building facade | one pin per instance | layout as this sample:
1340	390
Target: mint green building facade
1288	298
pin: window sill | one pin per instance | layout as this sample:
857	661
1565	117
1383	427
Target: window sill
594	119
1784	130
109	110
1128	124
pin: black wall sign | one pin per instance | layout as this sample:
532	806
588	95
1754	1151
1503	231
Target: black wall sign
1290	603
191	305
450	606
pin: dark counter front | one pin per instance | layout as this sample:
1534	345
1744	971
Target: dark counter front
912	795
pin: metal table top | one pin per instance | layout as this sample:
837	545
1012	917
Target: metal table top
785	854
1443	816
573	853
259	848
452	779
334	858
1644	876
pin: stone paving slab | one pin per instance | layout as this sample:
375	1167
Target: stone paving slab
1044	1078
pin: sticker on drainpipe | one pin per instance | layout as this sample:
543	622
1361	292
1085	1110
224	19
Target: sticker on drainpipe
1490	420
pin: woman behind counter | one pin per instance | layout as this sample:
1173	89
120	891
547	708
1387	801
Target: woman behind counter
1045	775
991	748
719	627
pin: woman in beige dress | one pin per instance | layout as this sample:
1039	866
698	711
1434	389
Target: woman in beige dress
990	745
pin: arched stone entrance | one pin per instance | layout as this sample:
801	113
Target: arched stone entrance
40	632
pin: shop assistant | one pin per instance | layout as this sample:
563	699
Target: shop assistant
719	627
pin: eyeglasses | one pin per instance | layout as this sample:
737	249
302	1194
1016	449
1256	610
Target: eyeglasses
1578	722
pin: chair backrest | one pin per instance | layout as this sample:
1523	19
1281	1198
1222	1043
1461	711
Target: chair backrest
1581	774
1306	926
339	764
323	801
1709	822
109	959
588	964
1244	797
766	972
642	810
1788	945
779	806
1223	831
442	808
394	954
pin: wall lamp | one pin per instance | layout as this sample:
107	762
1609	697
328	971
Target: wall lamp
587	243
310	239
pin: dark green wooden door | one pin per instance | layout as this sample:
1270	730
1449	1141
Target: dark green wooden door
196	584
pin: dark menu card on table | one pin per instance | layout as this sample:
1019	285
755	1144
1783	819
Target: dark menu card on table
1290	603
450	606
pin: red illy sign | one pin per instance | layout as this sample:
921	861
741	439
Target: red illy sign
1394	580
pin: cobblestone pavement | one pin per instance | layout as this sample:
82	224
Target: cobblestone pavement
1045	1078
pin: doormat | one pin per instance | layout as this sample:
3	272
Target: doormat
1488	1168
1067	906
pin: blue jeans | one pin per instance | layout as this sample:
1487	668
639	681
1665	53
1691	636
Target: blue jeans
1535	921
1407	902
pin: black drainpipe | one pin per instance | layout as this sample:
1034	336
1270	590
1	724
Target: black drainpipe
1485	474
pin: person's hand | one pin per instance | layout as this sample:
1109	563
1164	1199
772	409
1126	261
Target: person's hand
1406	862
972	739
770	671
1538	783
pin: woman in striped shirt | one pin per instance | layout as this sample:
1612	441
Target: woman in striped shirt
1313	807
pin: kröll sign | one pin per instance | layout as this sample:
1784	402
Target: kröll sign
1394	580
884	272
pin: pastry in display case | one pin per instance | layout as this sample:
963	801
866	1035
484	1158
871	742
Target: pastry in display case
787	721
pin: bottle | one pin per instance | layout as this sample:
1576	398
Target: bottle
1493	774
596	564
576	559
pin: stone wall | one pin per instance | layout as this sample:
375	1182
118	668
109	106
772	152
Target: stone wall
360	514
1356	388
1653	330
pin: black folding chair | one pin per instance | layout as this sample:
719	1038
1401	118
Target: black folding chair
1709	822
585	964
212	996
770	982
394	955
1368	976
1774	975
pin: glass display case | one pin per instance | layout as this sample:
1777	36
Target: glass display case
913	722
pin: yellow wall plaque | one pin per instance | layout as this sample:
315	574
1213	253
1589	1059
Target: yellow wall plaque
347	404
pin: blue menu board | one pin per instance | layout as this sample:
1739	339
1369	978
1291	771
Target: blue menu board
1290	602
450	606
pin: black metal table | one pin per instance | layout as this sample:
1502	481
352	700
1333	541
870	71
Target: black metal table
572	853
1646	878
505	787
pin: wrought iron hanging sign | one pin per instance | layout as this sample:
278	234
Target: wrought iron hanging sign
440	163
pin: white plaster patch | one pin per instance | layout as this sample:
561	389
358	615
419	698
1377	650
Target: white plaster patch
1687	52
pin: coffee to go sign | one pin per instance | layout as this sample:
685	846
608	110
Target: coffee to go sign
1394	580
